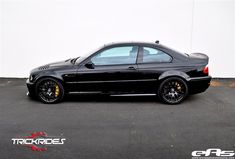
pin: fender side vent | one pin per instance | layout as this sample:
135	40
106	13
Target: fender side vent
43	67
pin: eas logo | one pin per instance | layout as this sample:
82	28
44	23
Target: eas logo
38	141
213	152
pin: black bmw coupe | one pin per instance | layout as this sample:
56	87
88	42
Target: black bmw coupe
124	68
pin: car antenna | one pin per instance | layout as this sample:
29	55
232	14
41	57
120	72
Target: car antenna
157	41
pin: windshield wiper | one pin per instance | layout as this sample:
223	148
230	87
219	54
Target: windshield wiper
74	60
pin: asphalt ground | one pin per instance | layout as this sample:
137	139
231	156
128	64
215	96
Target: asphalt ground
101	127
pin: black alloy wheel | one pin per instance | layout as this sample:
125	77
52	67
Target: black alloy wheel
49	90
173	90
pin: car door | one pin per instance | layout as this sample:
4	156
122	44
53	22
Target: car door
110	69
152	62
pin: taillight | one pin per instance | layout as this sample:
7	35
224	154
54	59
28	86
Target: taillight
206	70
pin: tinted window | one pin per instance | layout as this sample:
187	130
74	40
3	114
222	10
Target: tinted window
154	55
116	55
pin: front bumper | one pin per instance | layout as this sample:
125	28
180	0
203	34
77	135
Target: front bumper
31	88
198	84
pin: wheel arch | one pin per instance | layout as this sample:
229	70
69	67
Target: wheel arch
174	73
53	76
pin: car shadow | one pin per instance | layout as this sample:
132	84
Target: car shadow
118	99
98	98
112	99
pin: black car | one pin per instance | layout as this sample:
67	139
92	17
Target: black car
124	68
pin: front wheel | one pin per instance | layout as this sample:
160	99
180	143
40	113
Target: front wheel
173	90
49	90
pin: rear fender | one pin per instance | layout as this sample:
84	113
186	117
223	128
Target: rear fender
174	73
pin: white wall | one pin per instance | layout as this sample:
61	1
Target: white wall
34	33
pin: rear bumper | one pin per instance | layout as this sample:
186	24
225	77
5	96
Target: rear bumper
31	88
198	84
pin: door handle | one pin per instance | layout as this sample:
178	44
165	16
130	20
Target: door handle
131	68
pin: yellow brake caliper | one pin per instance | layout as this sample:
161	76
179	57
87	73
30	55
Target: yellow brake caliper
57	91
178	86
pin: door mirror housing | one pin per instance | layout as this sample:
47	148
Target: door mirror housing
90	65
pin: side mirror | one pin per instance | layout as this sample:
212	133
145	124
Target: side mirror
90	65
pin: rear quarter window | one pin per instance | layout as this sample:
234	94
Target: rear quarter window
152	55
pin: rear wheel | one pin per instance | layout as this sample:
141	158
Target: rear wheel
49	90
173	90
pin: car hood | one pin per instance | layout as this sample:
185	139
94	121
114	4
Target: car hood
53	65
56	64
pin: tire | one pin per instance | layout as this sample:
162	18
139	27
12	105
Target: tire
172	90
49	90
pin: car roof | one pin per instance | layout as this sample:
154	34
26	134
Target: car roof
131	43
156	44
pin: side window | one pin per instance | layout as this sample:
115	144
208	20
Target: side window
151	55
116	56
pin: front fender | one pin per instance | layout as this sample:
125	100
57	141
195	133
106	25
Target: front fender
48	74
174	73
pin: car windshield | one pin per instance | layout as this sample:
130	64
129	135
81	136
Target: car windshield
83	57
